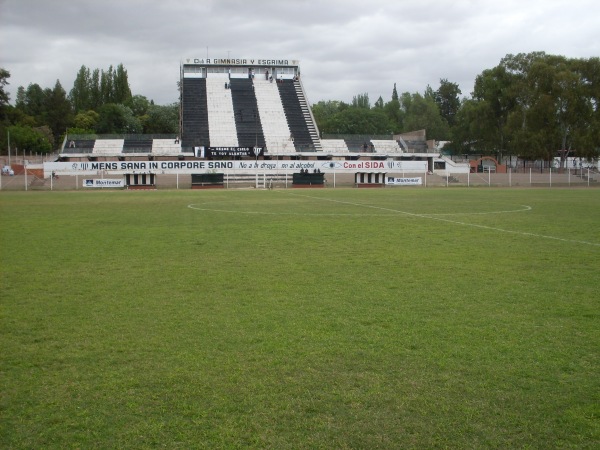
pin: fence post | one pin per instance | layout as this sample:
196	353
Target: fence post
530	177
469	178
550	176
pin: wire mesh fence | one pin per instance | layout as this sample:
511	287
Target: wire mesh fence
579	178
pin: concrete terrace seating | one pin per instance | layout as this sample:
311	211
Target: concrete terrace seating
334	146
79	146
108	147
221	119
310	124
195	116
137	145
247	118
272	117
165	147
294	114
358	145
386	146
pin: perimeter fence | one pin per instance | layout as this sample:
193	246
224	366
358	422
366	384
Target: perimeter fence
547	178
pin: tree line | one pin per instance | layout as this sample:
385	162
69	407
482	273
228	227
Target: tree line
100	102
534	105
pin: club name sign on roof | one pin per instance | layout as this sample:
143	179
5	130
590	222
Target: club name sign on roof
242	61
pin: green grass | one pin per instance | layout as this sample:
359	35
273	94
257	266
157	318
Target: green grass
345	318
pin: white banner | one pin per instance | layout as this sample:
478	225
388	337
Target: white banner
246	166
417	181
104	183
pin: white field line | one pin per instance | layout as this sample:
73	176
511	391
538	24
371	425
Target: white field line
199	207
397	211
456	222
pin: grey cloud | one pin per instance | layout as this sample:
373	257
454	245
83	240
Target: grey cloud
346	47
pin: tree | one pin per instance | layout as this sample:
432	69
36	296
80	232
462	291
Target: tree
117	119
361	101
92	89
32	102
161	119
81	94
324	110
30	139
588	142
58	113
448	101
4	97
423	113
138	104
493	86
553	110
474	130
537	106
357	121
86	120
121	91
395	93
394	114
96	100
106	86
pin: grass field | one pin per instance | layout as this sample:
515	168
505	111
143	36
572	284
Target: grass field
347	318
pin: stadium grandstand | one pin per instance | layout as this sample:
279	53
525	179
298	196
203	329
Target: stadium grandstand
232	108
250	109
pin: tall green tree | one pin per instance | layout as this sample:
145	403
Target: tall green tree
58	112
447	97
117	119
107	86
138	104
81	93
32	102
4	97
324	110
492	86
395	115
357	121
161	119
26	138
122	92
422	112
86	120
96	100
361	101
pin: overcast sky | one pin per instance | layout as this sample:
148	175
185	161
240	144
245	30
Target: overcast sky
345	47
